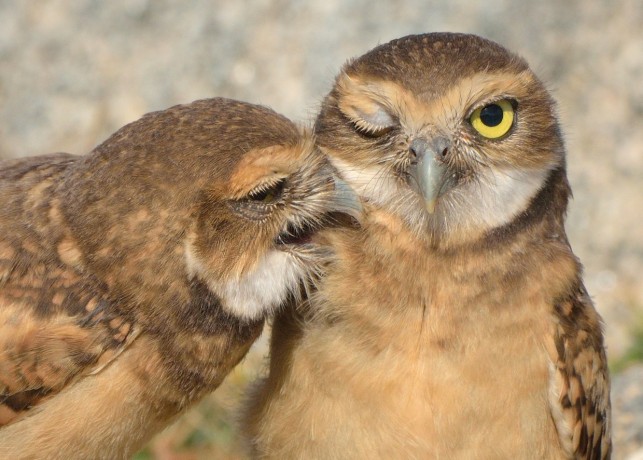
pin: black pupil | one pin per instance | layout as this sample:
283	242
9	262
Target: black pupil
491	115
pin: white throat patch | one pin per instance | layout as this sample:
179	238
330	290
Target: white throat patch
499	196
261	291
491	201
257	293
374	182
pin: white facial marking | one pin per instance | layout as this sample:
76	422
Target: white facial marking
500	195
257	293
372	182
261	291
493	200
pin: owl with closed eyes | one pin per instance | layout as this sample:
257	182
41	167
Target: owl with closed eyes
454	322
134	278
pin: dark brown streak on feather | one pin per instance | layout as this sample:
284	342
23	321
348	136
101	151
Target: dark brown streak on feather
24	400
203	314
579	345
43	361
97	314
202	324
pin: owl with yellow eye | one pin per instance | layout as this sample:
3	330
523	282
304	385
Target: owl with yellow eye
454	322
493	120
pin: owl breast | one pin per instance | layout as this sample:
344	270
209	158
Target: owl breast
409	365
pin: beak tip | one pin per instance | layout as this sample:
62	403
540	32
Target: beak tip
430	205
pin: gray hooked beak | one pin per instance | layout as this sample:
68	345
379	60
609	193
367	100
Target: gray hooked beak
346	199
430	171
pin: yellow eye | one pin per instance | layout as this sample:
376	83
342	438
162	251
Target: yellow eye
493	120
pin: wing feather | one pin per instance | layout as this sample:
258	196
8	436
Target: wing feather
44	347
51	337
57	323
579	396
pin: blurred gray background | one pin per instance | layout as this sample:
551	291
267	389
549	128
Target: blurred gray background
72	72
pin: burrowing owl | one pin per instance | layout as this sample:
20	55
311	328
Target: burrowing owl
134	278
454	323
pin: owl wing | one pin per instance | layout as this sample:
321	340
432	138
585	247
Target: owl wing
56	325
579	393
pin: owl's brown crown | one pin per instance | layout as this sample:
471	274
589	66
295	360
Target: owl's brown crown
428	64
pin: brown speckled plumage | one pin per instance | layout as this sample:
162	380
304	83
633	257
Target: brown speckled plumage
455	328
128	277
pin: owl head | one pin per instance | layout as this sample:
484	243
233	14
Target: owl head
218	191
451	133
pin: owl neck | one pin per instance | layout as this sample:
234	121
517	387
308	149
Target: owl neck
544	218
531	250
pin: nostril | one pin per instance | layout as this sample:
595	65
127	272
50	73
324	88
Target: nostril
441	146
418	148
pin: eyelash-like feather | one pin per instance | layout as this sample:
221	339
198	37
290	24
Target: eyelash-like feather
367	128
272	182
